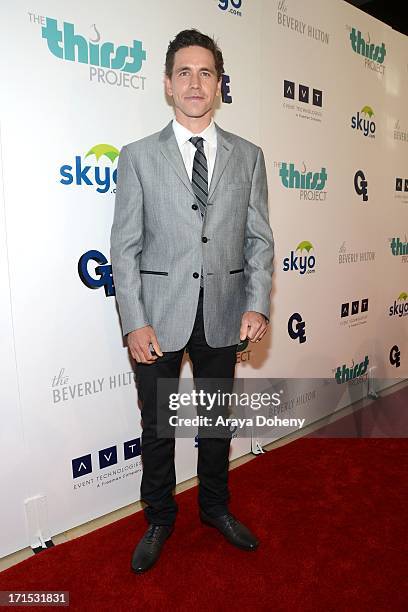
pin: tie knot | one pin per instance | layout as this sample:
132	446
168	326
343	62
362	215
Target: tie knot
197	141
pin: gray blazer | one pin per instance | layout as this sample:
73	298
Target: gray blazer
158	246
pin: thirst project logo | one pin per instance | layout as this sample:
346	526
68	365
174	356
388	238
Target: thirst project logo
351	373
109	64
374	54
310	184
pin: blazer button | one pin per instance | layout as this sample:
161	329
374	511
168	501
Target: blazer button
194	207
196	275
204	239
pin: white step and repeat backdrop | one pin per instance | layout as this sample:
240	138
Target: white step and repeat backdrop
321	87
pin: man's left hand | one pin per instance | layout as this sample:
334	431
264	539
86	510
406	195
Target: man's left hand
253	326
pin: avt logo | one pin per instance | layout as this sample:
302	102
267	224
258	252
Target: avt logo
344	374
289	89
395	356
373	54
401	184
304	264
231	6
106	458
400	306
355	308
360	185
362	122
103	271
296	328
99	176
66	44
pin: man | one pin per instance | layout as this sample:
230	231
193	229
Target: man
191	252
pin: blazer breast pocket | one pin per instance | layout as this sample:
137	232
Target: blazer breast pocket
234	186
154	272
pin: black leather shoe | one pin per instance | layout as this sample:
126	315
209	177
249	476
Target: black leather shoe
149	548
233	530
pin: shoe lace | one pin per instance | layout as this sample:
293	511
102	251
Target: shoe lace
153	533
231	520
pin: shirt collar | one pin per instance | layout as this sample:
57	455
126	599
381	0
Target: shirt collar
182	134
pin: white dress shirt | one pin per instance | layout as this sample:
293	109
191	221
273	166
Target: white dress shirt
187	149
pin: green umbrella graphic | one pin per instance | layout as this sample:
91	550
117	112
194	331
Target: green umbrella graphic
304	246
367	110
98	150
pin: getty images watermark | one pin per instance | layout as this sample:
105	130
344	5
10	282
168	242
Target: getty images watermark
225	408
213	402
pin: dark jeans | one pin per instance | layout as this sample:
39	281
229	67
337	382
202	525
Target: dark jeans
159	477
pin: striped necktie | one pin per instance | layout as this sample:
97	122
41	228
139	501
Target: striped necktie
200	174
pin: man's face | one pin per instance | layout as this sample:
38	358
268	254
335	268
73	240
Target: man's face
194	84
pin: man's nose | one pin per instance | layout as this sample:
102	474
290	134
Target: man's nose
195	81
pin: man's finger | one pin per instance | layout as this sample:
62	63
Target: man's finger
243	331
135	354
148	357
260	334
156	346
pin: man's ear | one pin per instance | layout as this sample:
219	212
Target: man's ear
219	86
167	84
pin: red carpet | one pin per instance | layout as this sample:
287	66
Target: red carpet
331	515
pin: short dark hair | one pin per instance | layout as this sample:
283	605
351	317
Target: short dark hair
189	38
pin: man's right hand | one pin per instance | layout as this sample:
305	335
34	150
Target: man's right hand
138	343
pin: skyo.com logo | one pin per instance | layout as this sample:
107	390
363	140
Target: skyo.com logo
310	184
363	122
104	59
400	306
231	6
99	176
373	54
103	271
352	373
304	264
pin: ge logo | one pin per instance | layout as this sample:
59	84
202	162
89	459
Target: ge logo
296	328
360	185
103	271
395	356
235	4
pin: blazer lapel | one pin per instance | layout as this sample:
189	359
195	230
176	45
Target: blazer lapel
225	146
169	148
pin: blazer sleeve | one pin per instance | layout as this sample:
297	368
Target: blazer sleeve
259	243
127	245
